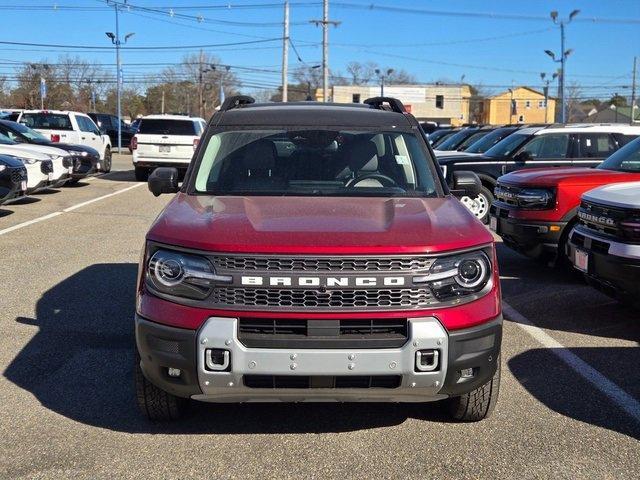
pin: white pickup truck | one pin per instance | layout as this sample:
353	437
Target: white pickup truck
70	127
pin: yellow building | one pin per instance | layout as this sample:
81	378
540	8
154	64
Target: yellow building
518	105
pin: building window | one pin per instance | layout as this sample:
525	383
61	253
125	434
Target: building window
520	118
541	104
440	101
527	104
355	98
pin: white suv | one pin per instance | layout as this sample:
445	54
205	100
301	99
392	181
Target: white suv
165	141
70	127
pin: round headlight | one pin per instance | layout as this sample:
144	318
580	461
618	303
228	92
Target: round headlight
471	272
169	272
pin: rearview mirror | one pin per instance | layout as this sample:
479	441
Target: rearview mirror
163	180
466	184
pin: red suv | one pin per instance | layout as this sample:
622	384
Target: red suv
536	209
314	253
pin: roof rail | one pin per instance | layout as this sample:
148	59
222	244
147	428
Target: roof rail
394	104
237	101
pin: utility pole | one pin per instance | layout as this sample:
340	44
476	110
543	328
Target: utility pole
115	39
200	88
325	22
563	58
162	104
285	54
633	91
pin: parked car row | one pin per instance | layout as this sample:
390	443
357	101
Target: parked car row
557	146
589	217
30	161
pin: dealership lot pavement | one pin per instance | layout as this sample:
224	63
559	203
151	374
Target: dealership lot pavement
69	262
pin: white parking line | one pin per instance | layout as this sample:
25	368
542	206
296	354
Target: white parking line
68	209
618	396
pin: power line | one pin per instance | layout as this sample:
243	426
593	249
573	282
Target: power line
165	47
475	15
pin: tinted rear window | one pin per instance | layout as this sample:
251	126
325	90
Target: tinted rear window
167	127
47	121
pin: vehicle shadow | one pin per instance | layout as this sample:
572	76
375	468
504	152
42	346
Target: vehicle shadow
80	364
561	389
559	299
119	176
5	213
24	201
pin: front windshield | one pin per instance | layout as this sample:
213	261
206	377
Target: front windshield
437	135
472	139
453	141
489	140
4	140
442	138
26	132
507	146
315	162
627	159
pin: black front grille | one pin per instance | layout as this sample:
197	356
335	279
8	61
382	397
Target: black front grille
507	194
322	382
589	243
46	166
287	333
329	264
18	174
67	162
603	219
408	298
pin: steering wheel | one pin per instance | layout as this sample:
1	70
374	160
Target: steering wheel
383	179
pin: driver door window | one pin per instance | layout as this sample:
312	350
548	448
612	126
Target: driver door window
547	150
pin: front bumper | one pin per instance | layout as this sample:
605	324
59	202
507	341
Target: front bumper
84	166
321	370
612	267
533	238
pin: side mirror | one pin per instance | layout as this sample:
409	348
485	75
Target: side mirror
163	180
466	184
522	157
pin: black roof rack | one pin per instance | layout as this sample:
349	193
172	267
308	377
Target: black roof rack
237	101
394	104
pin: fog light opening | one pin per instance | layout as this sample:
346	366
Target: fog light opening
427	360
174	372
467	373
217	360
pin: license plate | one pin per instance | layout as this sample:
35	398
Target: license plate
23	185
581	260
493	224
70	170
50	176
165	148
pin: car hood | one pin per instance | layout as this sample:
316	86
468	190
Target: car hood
10	161
625	195
23	151
454	153
326	225
70	147
568	175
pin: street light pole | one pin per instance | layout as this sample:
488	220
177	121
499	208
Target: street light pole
546	94
382	77
115	39
563	58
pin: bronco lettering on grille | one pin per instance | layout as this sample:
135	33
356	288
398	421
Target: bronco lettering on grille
328	282
602	220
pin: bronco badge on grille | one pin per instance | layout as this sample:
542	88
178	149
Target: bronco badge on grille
325	281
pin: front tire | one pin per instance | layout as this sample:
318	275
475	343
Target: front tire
480	205
106	162
478	404
154	403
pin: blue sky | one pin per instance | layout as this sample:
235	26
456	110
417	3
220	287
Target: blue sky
490	51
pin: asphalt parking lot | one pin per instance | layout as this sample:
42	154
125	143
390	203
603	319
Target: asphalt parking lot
569	406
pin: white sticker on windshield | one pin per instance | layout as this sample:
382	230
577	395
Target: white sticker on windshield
402	160
588	142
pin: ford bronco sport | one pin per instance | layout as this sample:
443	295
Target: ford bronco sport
315	253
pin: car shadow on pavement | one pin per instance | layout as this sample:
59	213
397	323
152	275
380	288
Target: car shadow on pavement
558	387
119	176
80	364
5	213
24	201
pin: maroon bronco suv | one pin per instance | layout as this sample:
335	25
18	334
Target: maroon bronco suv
315	253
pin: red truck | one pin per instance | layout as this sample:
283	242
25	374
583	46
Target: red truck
315	253
535	210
